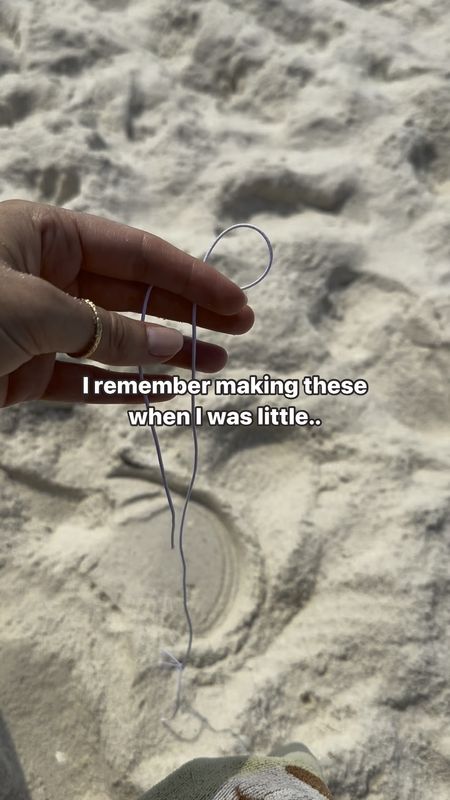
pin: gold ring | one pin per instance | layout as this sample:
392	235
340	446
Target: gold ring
94	343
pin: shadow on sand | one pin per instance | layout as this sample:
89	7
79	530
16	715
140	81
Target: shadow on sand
13	785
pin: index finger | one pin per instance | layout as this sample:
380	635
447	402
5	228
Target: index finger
119	251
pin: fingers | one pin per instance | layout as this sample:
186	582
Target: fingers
27	382
129	296
127	342
43	377
78	254
66	385
118	251
68	325
209	357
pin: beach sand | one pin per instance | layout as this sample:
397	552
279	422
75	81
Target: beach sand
318	558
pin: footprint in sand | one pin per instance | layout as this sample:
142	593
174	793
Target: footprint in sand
128	561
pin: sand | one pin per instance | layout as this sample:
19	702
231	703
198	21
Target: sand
319	559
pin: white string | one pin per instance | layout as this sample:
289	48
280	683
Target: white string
172	662
155	435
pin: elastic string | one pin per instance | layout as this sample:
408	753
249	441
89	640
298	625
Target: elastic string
172	661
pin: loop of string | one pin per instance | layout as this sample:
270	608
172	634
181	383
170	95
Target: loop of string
171	660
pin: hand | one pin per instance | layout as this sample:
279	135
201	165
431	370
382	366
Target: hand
51	256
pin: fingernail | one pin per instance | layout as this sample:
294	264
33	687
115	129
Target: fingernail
164	341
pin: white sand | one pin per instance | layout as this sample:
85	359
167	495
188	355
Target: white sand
319	559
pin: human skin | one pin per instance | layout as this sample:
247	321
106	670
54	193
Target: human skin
50	257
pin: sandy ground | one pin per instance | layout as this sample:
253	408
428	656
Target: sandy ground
319	559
